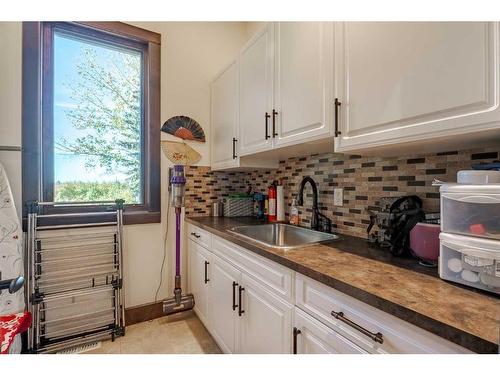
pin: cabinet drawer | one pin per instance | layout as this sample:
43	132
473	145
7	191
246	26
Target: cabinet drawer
398	336
273	276
316	338
200	236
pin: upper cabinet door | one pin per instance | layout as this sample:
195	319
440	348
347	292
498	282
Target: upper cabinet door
224	112
304	81
406	81
256	92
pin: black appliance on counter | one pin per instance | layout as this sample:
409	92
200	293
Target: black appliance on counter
395	219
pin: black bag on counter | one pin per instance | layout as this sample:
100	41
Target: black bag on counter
395	220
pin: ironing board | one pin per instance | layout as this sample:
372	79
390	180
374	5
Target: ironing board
10	326
11	256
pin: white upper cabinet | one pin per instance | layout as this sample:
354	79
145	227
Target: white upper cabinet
284	93
304	81
224	114
256	92
401	82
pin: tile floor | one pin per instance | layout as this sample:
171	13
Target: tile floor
177	334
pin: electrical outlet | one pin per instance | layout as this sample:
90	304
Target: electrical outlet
338	197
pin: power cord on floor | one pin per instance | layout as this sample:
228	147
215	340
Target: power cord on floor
164	247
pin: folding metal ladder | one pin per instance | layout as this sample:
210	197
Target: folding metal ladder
74	283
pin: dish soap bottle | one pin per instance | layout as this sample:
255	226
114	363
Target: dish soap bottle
294	213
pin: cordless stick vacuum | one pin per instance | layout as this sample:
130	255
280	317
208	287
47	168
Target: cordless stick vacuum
178	302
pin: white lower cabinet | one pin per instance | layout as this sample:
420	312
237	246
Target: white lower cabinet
244	316
369	328
223	305
265	322
252	305
310	336
199	271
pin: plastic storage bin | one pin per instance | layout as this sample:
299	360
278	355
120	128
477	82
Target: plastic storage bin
471	261
238	206
472	210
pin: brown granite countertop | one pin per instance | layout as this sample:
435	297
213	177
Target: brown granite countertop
397	286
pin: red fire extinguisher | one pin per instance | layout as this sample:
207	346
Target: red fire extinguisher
272	203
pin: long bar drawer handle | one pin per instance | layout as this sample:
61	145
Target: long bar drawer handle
196	235
377	337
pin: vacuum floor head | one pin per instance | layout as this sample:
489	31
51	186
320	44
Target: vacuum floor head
171	306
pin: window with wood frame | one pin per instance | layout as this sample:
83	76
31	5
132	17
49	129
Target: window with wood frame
91	116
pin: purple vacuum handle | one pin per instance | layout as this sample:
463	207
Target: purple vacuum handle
178	241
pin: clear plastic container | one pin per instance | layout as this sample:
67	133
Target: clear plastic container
470	261
472	210
478	177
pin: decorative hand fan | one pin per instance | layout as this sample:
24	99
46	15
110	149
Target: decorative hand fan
180	153
184	127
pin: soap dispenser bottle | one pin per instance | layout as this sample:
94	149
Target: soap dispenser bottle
294	213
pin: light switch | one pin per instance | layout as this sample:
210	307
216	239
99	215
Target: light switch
338	197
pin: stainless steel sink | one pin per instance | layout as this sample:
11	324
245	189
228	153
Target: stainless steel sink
282	236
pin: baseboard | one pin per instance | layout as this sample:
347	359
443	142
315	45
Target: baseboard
143	313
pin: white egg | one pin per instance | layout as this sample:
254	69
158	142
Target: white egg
490	280
470	276
455	264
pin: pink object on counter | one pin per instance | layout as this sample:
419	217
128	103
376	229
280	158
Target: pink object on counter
424	241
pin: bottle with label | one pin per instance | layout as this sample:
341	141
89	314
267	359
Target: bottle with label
294	213
272	203
280	202
266	207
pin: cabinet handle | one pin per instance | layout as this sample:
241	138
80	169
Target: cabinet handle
274	123
206	272
240	310
337	105
195	235
235	284
377	337
267	120
234	148
296	332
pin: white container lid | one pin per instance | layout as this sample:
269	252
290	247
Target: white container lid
473	246
470	189
478	177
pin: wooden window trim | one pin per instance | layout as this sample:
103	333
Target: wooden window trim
34	110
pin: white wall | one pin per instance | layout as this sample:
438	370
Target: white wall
192	54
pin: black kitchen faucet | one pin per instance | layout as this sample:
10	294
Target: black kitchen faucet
318	221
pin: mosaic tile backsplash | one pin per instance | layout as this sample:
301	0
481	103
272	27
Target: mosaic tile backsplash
204	186
363	179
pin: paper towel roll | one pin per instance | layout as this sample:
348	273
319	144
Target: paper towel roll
280	203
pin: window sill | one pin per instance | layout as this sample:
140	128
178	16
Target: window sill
141	217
